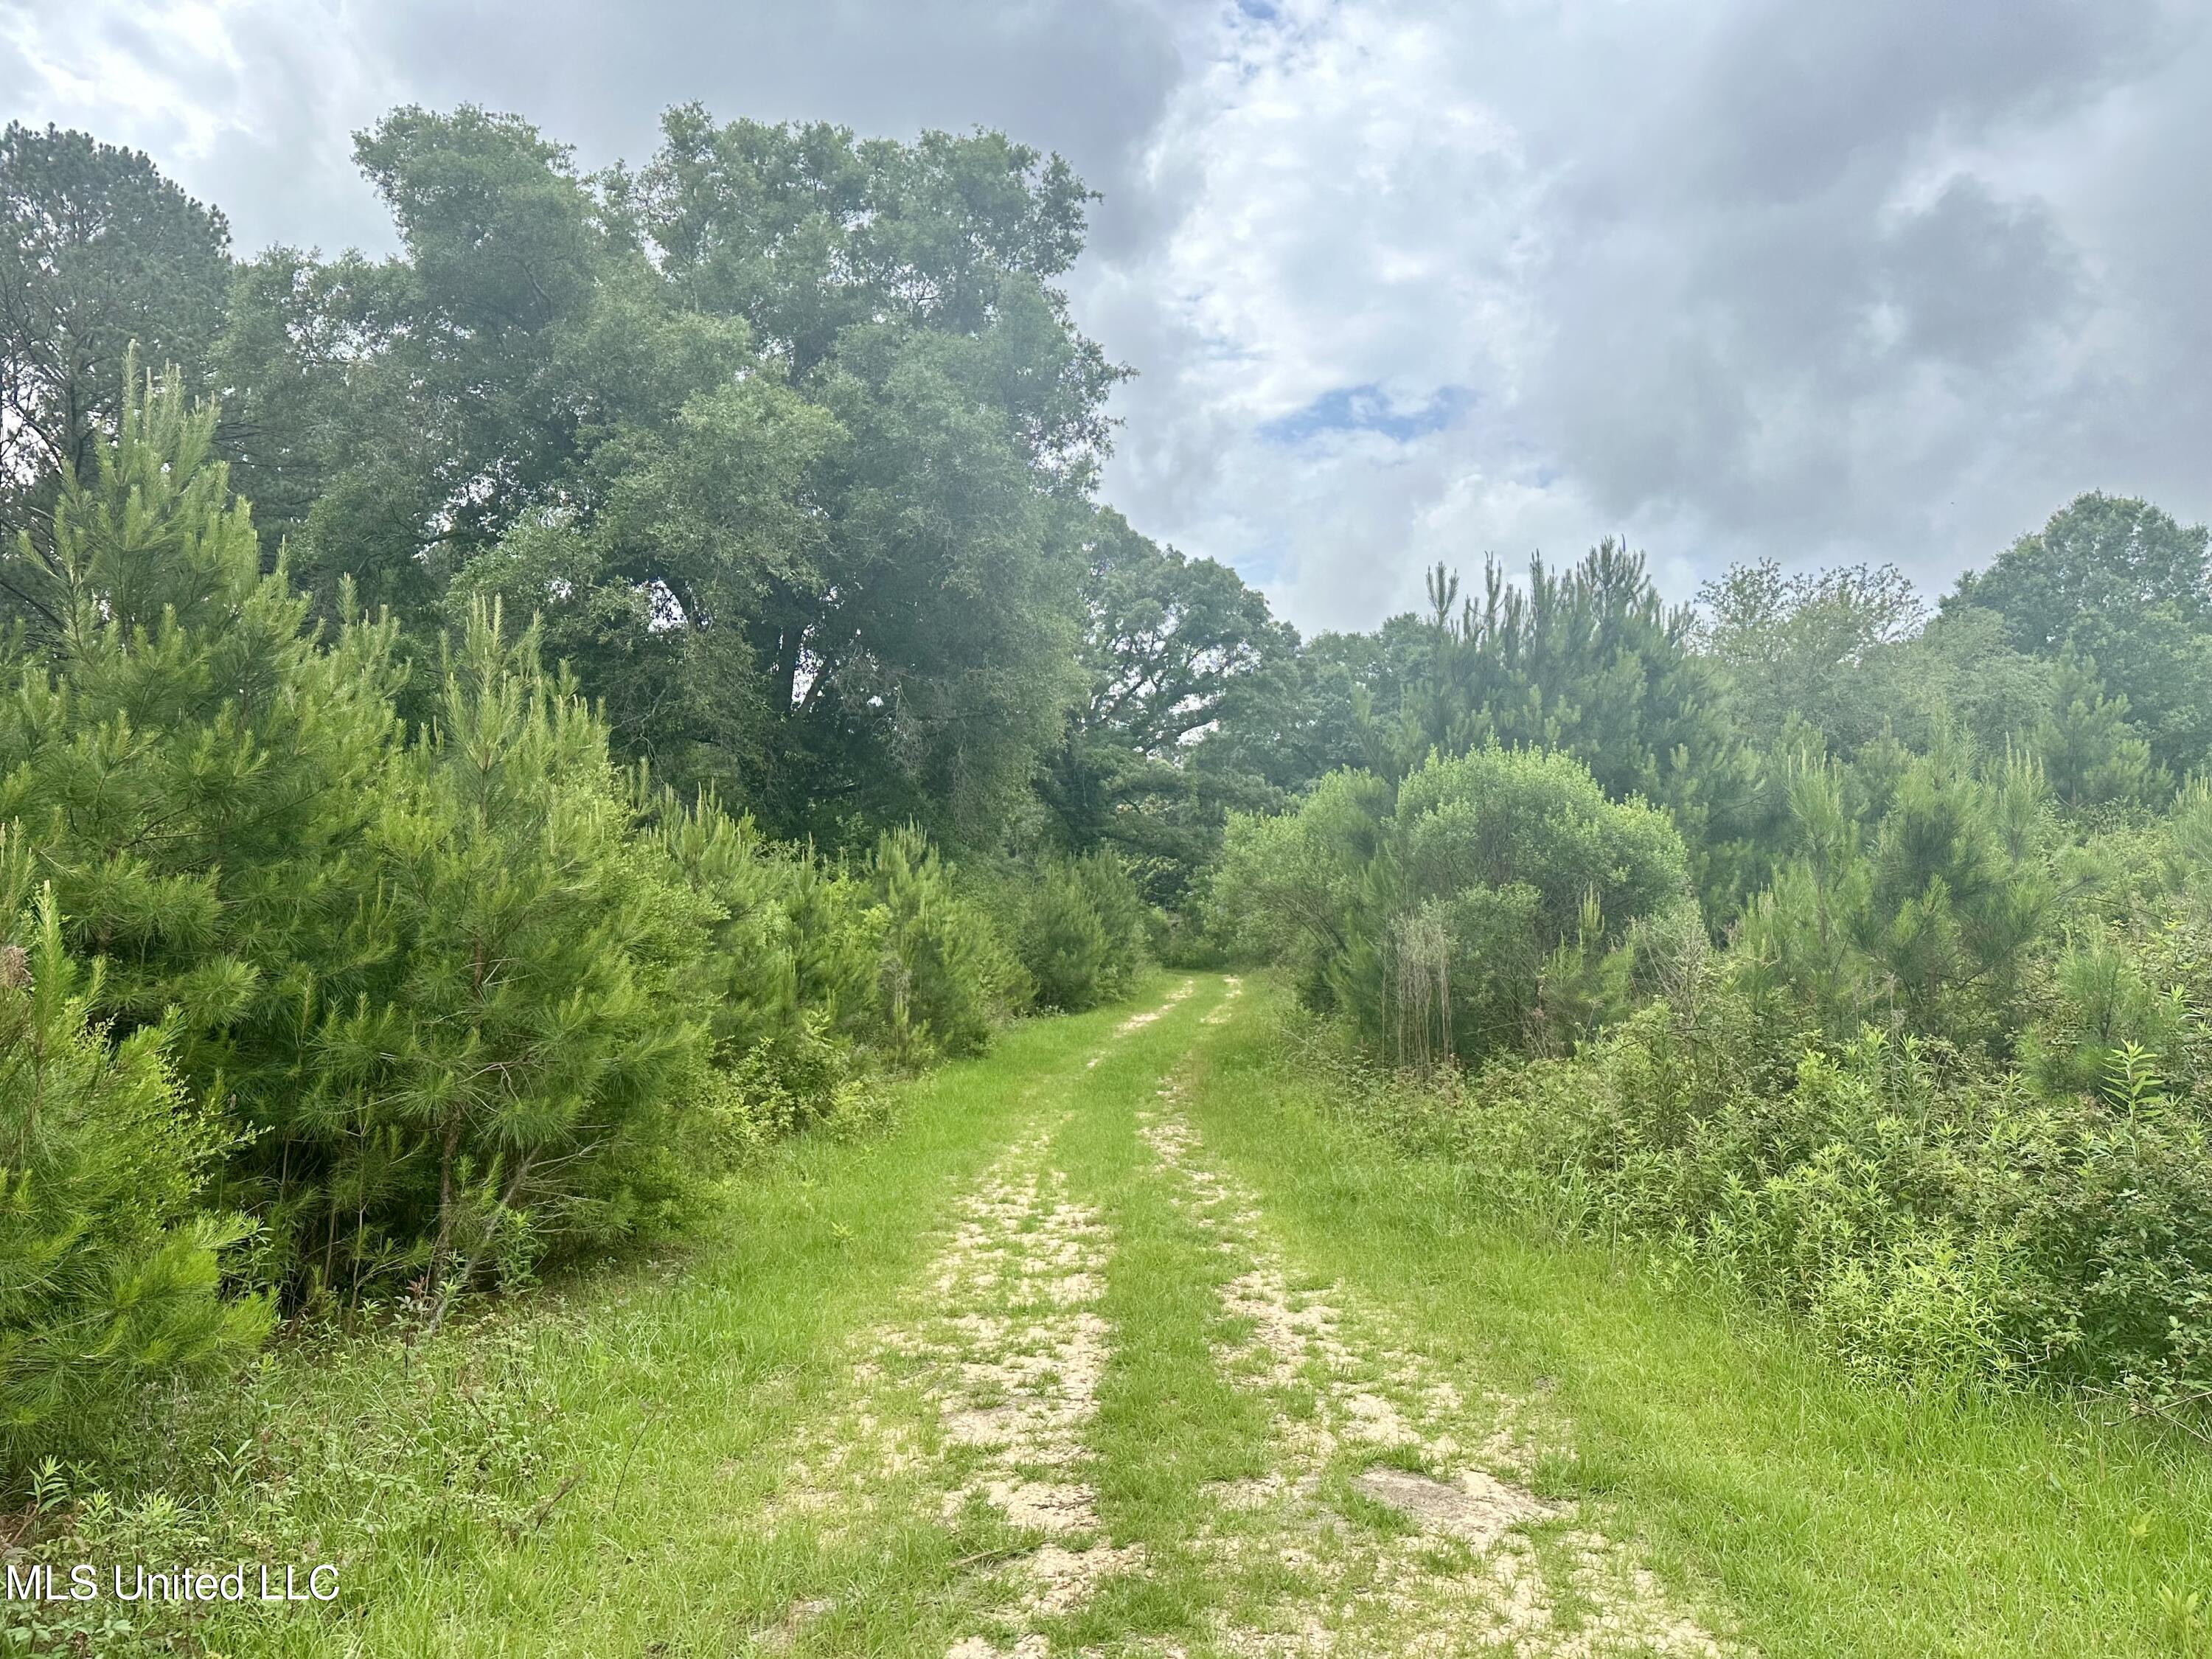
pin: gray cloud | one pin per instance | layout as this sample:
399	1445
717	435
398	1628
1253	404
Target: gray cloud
255	106
1782	309
1410	279
1974	280
1742	279
1088	81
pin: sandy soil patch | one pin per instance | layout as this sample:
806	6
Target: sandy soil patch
1232	988
1138	1021
1012	1354
1004	1347
1473	1559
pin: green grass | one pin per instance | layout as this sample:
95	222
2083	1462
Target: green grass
1831	1517
586	1473
601	1468
1169	1423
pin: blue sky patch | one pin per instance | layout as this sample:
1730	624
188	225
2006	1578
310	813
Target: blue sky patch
1368	409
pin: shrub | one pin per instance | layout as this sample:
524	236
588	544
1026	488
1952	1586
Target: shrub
1511	868
109	1270
789	981
1287	887
1078	928
1479	914
1927	925
1935	1217
946	977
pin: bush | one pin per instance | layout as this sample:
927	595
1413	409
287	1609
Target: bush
1481	911
109	1270
1935	1217
1927	925
1508	868
789	981
1287	887
946	979
1078	927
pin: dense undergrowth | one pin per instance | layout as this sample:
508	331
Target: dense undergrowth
1836	1511
1943	1089
1857	959
322	1012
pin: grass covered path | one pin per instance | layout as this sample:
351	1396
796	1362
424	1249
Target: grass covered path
1119	1343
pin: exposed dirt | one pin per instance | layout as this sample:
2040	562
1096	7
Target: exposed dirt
1398	1514
1462	1557
1232	988
1475	1508
1137	1021
1012	1354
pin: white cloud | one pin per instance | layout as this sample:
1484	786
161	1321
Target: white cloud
1733	278
1417	279
1356	233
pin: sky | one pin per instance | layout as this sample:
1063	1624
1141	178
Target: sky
1404	281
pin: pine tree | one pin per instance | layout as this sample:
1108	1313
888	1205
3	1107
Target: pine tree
1079	930
195	771
1591	662
946	977
794	940
1925	923
109	1268
505	1084
2089	750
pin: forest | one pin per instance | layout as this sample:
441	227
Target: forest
501	738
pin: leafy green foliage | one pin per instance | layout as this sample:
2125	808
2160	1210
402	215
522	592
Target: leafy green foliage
1925	925
794	941
1079	928
515	1065
1853	950
1589	661
2118	581
469	996
2089	747
1495	860
810	235
193	769
98	253
1939	1087
945	978
1806	647
1441	921
1937	1223
399	417
1188	673
1289	888
786	436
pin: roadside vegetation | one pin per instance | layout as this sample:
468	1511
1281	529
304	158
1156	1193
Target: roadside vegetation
475	1486
1828	1510
1936	1082
545	779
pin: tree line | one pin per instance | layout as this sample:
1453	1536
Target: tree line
497	731
605	741
1856	953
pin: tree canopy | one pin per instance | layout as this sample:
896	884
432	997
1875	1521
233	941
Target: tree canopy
98	253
